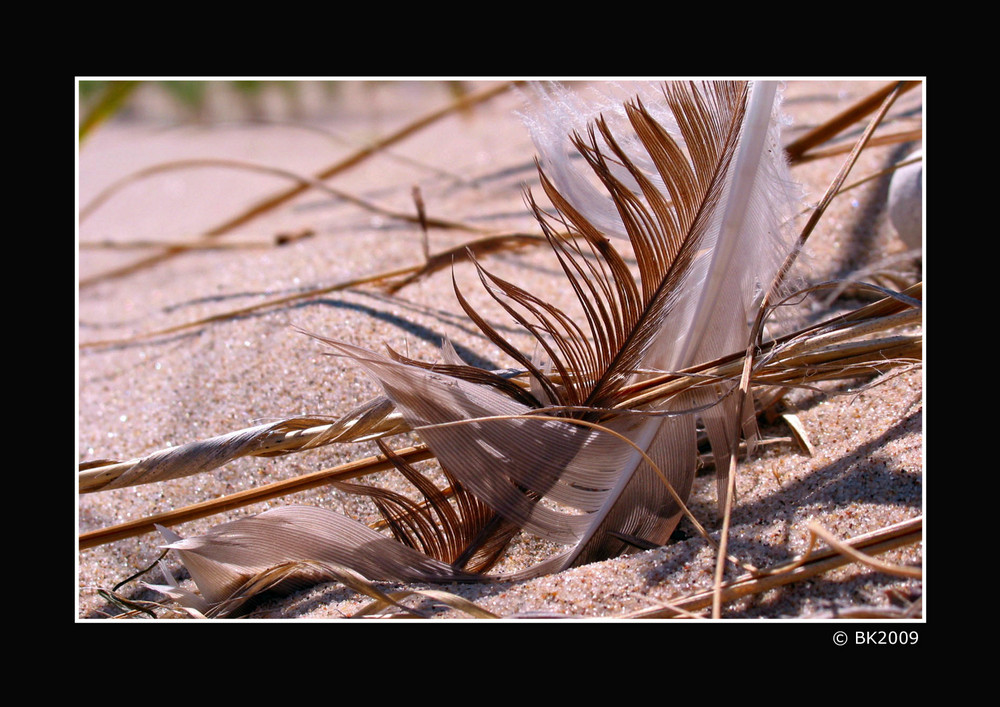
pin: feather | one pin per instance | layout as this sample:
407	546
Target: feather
230	554
706	229
452	525
692	181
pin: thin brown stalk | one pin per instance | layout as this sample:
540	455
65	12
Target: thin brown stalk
832	191
744	391
279	240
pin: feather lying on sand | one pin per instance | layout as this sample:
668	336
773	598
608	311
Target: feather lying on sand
667	218
692	180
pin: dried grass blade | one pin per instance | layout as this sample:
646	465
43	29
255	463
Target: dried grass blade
778	368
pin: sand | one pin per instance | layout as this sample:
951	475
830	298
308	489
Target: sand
139	395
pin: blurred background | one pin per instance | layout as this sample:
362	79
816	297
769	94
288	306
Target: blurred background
174	101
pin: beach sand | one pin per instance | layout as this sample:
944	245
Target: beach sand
138	394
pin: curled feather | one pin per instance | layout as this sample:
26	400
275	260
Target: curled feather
691	182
